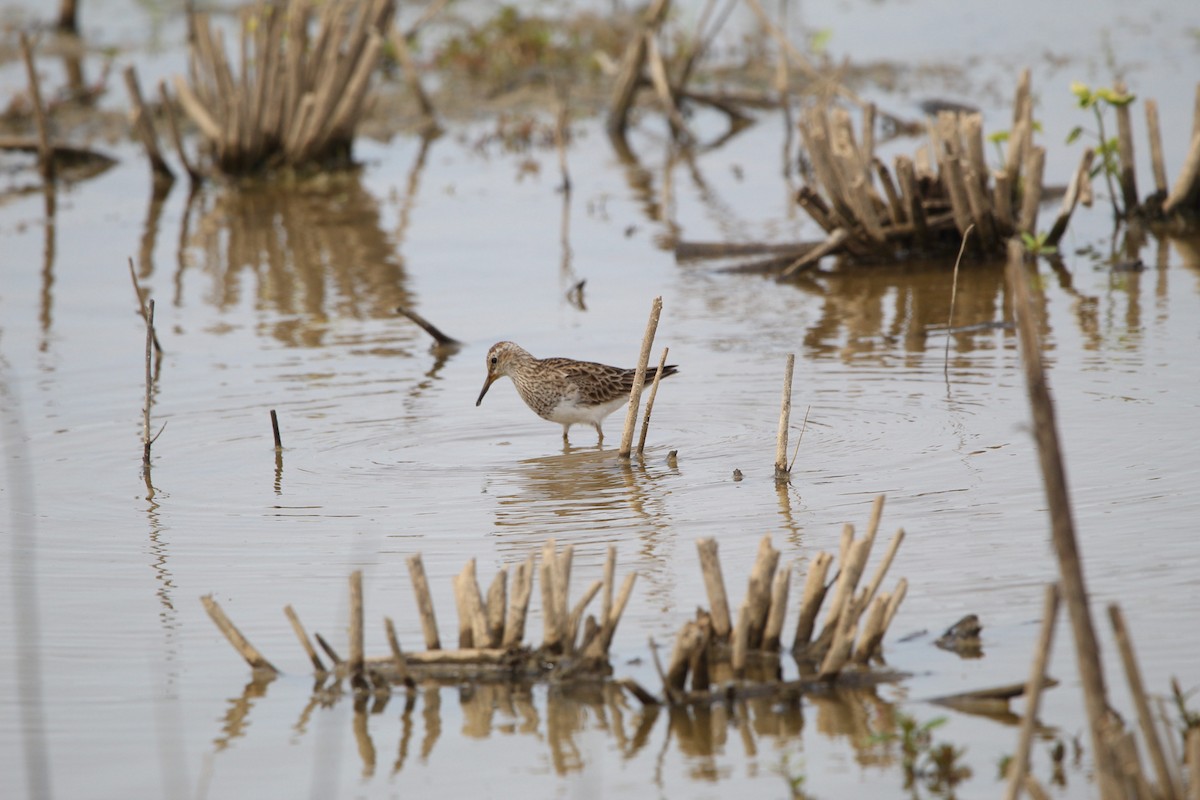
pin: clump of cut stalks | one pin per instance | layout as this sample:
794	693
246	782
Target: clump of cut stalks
491	628
720	653
295	102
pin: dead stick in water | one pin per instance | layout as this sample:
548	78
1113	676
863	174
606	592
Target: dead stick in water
137	289
639	379
1066	548
416	571
514	626
814	593
785	410
298	627
741	640
45	151
1075	190
1154	134
953	296
1187	184
550	626
872	631
442	339
662	362
474	604
194	175
576	614
1032	196
144	128
246	650
356	627
1128	175
714	586
497	597
146	440
881	571
610	572
328	648
600	645
778	611
397	654
1019	765
758	591
562	588
275	430
1166	784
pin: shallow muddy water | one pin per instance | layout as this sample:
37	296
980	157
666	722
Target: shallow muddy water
285	300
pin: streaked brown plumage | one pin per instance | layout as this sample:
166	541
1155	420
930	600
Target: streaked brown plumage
563	390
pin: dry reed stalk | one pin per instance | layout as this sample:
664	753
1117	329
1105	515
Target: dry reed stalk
981	209
1187	184
1192	756
630	74
714	586
1032	195
778	611
466	632
662	362
1062	526
1075	190
639	378
356	626
518	607
247	651
1154	134
758	591
872	632
662	87
329	651
814	593
894	601
497	598
599	646
275	431
1129	764
551	628
302	635
412	79
741	641
147	441
416	571
785	410
45	151
953	297
1166	782
610	574
915	209
143	126
835	241
953	181
576	615
398	659
896	207
880	573
687	641
1002	201
1128	175
1018	766
562	587
814	205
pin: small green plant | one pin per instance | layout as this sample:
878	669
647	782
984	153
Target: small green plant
934	767
1036	245
1106	148
794	778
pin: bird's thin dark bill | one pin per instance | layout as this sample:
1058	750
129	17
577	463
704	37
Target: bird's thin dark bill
486	385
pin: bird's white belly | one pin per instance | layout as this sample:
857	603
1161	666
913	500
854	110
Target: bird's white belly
568	412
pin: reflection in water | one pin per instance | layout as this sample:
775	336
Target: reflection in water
316	251
557	717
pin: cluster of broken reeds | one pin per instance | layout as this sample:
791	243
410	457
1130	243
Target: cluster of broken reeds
491	628
1181	200
291	103
720	653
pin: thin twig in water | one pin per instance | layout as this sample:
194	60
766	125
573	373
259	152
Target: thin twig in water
796	449
953	294
137	288
442	339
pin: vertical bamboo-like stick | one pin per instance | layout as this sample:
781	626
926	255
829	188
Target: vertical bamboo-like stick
496	599
398	658
147	441
474	605
1128	178
599	646
247	651
714	586
302	635
1192	756
551	629
562	589
639	379
778	612
1002	202
785	410
758	591
1074	191
1166	784
576	615
741	640
144	127
658	373
1154	134
1018	767
275	430
1187	184
356	625
907	177
518	607
45	152
416	571
610	577
1062	525
896	207
814	594
881	571
872	632
1032	196
894	601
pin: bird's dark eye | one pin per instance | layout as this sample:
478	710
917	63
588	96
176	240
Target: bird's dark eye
493	359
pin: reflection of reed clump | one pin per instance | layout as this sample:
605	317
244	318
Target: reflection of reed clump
317	252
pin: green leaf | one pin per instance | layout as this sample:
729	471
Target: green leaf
1083	93
999	137
1075	133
